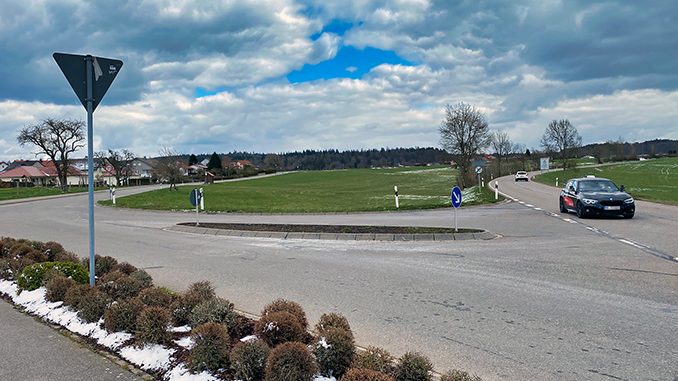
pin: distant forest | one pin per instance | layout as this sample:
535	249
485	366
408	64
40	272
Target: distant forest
393	157
335	159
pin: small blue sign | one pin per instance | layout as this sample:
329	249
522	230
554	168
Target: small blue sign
195	197
455	197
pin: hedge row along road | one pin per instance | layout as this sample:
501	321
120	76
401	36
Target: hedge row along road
550	300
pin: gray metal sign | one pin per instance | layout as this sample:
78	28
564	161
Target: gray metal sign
74	67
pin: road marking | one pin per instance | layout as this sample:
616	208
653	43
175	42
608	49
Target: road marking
631	243
554	214
569	220
529	205
521	202
537	208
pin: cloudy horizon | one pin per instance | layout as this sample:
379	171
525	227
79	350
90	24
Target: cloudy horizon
286	75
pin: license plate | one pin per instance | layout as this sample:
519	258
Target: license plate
612	207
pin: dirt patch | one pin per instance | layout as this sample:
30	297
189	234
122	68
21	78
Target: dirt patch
348	229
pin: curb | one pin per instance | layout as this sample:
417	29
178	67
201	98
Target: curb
485	235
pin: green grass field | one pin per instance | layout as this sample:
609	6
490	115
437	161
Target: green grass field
17	193
651	180
315	191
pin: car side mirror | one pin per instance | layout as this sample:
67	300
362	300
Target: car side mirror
621	188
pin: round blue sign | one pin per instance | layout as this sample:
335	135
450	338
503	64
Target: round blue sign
455	197
194	198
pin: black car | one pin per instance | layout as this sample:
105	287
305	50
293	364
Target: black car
592	196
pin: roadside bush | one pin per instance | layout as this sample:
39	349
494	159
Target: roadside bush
374	358
119	285
211	349
122	315
279	327
5	244
93	305
152	325
74	295
102	264
67	256
459	375
413	367
27	249
334	352
33	276
332	320
196	294
215	310
156	297
57	286
248	360
125	267
143	277
52	249
290	362
283	305
5	269
242	326
358	374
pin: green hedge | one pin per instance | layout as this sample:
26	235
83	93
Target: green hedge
32	277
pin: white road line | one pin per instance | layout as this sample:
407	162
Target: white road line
537	208
554	214
569	220
520	202
630	243
529	205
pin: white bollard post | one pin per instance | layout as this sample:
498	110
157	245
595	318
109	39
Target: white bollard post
113	195
202	200
556	181
395	188
496	190
482	182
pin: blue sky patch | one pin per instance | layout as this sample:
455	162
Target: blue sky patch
335	26
349	62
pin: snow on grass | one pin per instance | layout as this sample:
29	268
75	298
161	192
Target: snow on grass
152	357
9	288
181	373
182	329
323	378
249	338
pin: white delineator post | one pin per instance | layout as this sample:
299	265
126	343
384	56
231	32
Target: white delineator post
556	181
496	190
395	189
202	200
113	195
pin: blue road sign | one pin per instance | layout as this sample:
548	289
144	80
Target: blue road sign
194	197
455	197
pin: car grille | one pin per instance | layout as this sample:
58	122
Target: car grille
611	203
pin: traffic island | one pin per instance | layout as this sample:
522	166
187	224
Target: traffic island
335	232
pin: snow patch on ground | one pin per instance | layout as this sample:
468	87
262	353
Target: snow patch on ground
153	357
182	329
8	288
181	373
323	378
185	342
249	338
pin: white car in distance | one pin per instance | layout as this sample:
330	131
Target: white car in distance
522	176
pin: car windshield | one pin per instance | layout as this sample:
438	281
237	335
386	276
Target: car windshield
597	186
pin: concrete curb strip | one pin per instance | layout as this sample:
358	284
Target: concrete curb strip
336	236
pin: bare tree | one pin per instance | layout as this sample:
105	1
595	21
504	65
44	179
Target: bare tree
168	167
120	161
562	137
56	138
464	132
502	146
273	161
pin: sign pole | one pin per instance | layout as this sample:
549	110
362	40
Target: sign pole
90	168
456	230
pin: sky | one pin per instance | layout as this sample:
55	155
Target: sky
283	75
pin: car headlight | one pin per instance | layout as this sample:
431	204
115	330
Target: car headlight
588	201
628	200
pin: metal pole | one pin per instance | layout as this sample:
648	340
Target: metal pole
90	168
455	221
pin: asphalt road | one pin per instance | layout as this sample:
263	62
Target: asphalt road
550	300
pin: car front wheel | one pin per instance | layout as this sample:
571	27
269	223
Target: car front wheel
628	215
580	210
563	209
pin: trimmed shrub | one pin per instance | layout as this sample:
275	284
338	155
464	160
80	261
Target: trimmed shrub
156	297
196	294
52	249
57	286
215	310
67	256
334	352
102	264
279	327
332	320
242	326
92	305
125	267
248	360
74	295
152	325
32	277
374	358
459	375
290	362
122	316
143	277
27	249
413	366
211	349
282	305
358	374
5	244
119	285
